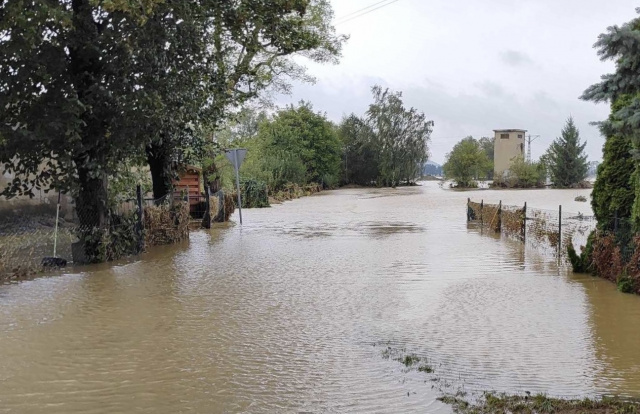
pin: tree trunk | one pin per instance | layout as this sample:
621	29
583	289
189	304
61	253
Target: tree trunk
91	202
161	172
91	208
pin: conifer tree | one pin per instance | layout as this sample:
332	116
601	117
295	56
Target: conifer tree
621	89
567	161
613	192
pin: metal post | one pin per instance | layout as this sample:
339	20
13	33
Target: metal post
55	232
500	217
139	224
468	215
524	222
235	157
481	213
206	218
559	230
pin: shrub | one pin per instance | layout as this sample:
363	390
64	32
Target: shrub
254	194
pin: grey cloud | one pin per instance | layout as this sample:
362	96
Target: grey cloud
515	58
491	89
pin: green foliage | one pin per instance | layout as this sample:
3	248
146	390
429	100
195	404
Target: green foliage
87	85
120	239
241	51
566	161
389	146
613	191
296	146
465	163
621	89
361	157
297	133
522	174
488	146
582	263
625	284
254	194
299	146
401	135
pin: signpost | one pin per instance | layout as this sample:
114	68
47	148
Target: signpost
236	156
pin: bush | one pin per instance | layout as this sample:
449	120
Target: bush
254	194
522	174
626	284
582	263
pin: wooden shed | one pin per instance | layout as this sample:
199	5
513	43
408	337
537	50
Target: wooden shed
189	184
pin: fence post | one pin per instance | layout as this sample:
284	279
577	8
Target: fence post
500	217
206	218
140	222
468	215
524	222
559	230
481	214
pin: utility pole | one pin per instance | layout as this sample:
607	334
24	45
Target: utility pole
530	139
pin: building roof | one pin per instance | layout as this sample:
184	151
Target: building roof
509	130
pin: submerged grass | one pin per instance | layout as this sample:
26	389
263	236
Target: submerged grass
490	403
502	403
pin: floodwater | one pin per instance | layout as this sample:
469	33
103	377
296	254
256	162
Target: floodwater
291	314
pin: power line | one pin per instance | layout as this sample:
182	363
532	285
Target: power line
366	12
361	10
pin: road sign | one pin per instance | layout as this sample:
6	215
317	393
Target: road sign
232	153
236	156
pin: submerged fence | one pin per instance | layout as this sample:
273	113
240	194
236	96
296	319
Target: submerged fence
32	231
548	230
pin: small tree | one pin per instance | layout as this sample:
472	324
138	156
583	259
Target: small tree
522	174
465	163
567	162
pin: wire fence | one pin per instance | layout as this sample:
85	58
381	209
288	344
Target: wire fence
549	231
54	231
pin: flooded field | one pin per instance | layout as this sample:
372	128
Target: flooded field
293	313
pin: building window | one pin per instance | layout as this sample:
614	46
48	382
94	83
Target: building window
504	136
520	136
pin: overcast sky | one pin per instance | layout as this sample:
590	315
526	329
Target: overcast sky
473	66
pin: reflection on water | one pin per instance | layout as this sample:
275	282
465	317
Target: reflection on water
282	315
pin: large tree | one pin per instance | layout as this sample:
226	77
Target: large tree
68	96
86	84
360	158
246	50
299	133
402	137
566	160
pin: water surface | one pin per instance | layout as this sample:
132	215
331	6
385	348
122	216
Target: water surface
291	313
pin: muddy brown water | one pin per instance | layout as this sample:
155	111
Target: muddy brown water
282	316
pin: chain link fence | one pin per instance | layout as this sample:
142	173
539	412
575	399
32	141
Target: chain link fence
35	232
550	231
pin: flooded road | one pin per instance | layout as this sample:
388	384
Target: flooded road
291	314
